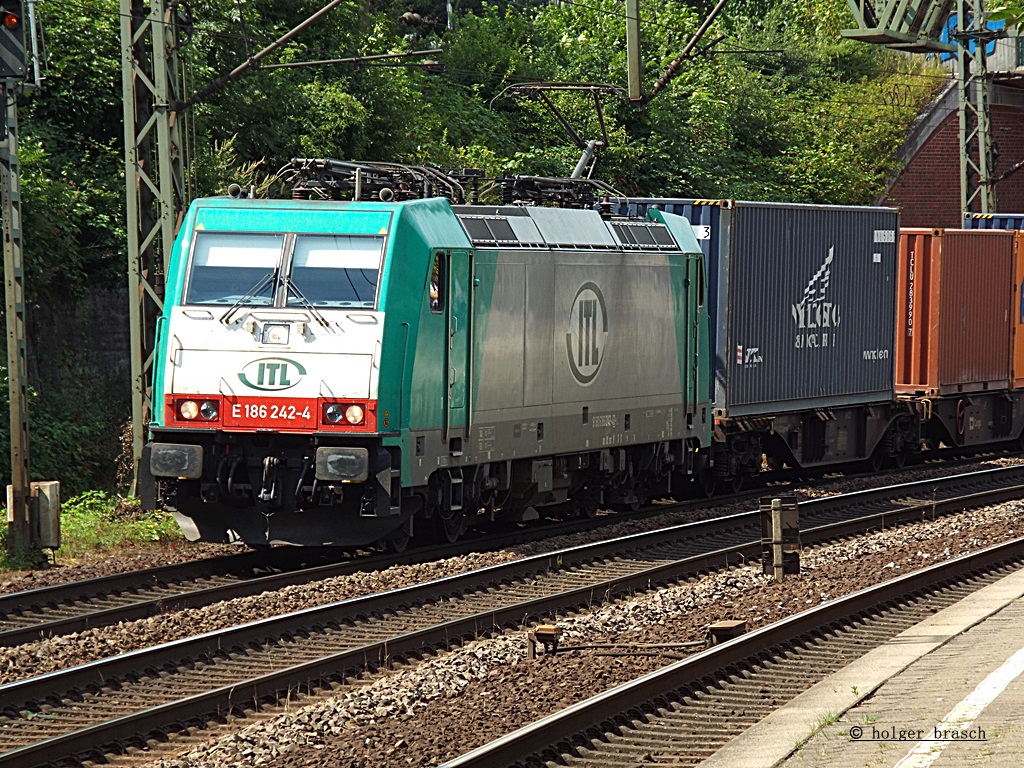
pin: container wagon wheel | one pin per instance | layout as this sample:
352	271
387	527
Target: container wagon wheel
884	451
877	460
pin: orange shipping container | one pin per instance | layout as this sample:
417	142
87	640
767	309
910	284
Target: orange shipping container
954	298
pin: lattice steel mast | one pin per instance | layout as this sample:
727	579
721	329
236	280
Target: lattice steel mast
155	182
976	181
917	26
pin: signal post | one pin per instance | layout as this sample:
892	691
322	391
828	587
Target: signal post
24	536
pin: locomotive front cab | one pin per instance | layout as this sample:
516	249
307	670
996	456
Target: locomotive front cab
267	427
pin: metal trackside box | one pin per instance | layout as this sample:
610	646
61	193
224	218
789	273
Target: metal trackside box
802	301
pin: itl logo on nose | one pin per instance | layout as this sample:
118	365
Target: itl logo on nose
271	374
267	374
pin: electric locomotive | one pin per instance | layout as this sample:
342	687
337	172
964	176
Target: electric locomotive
347	372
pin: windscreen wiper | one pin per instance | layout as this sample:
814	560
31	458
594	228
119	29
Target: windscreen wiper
268	279
291	286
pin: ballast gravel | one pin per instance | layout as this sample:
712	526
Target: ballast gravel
444	706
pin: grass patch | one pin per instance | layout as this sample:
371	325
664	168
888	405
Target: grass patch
100	522
97	521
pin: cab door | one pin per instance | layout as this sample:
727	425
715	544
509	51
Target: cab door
458	362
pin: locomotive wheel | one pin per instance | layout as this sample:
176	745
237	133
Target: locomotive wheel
398	542
585	505
640	498
449	529
736	483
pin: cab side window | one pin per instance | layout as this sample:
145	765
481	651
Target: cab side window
438	284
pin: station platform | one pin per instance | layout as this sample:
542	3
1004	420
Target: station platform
946	693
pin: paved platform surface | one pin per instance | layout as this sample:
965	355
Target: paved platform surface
948	692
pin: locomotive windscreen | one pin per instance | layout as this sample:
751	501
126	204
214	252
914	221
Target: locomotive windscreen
227	268
336	270
250	269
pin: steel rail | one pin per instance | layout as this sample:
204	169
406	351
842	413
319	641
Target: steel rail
32	599
133	666
245	567
559	730
287	567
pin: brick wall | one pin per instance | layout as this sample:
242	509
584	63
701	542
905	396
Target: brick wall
82	344
928	188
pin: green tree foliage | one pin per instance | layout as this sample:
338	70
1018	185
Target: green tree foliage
1011	11
72	153
70	439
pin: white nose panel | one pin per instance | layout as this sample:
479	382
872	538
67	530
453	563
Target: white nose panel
261	374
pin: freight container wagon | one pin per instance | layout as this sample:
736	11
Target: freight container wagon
802	310
955	289
955	335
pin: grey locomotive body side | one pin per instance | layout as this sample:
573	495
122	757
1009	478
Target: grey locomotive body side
587	355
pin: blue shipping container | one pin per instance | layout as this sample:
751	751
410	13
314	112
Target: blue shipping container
802	301
994	221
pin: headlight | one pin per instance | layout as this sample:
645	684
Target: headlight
333	413
354	414
188	409
208	410
275	334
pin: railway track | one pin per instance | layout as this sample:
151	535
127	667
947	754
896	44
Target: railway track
65	608
687	711
108	705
